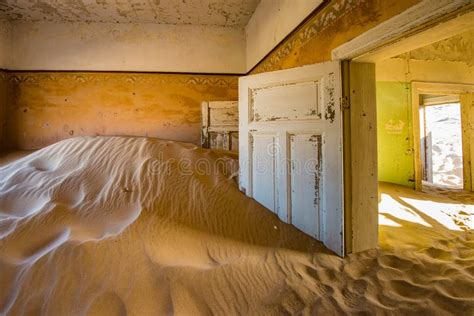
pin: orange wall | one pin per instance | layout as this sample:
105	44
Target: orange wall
46	107
338	22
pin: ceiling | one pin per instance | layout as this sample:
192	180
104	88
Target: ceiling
197	12
459	48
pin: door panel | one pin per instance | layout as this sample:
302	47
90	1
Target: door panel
290	147
271	103
305	175
263	169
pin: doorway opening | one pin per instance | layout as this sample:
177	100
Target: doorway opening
441	141
414	64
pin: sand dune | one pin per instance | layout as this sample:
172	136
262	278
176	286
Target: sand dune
139	226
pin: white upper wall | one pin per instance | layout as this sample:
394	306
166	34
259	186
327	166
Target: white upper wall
271	22
126	47
105	46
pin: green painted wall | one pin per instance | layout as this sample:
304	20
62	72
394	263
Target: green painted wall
394	141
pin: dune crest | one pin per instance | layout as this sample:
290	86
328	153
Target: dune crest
140	226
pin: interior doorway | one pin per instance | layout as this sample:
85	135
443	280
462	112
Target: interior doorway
441	141
431	55
442	116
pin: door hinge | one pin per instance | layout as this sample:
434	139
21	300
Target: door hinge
345	103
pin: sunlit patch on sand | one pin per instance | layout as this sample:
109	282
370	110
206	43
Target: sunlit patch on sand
388	206
117	226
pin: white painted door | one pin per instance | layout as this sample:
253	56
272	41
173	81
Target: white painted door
290	147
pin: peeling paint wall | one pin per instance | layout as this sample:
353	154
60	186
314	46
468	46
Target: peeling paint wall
126	47
337	23
342	20
43	107
396	161
459	48
47	107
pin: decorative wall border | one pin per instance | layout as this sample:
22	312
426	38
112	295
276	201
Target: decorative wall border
132	78
318	23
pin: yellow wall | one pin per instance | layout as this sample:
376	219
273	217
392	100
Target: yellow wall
46	107
395	141
394	133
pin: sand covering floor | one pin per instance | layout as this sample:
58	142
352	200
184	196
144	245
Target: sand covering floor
137	226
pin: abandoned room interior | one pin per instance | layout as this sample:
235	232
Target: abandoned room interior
236	157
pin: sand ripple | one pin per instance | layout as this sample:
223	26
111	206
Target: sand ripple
122	226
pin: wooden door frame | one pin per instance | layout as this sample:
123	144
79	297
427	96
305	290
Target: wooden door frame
360	157
419	88
421	25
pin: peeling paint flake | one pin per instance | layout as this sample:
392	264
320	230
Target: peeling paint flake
330	112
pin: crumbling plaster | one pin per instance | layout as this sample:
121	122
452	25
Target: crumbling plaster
196	12
204	36
459	48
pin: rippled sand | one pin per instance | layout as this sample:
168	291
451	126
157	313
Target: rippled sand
139	226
